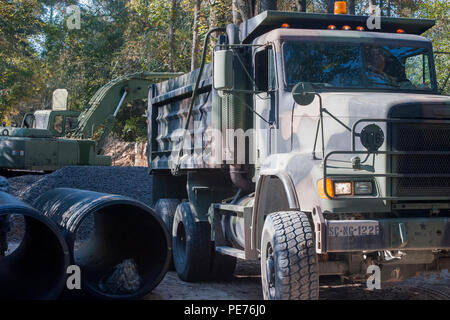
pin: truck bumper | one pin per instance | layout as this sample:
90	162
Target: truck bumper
382	234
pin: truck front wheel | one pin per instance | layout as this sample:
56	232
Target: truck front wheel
191	242
289	269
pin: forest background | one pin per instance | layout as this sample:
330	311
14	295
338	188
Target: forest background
40	53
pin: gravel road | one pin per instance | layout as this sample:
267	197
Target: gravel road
246	284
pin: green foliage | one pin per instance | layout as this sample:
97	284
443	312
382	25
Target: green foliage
134	129
440	35
19	66
39	54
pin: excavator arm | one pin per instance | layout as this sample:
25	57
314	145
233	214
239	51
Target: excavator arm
107	101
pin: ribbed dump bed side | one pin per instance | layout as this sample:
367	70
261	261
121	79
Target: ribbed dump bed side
167	113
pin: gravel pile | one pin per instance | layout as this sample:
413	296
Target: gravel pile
17	228
18	184
125	279
134	182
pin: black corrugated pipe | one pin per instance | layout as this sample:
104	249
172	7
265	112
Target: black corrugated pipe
268	5
121	246
37	268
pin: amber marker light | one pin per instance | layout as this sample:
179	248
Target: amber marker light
359	28
332	27
321	189
346	28
285	25
340	7
400	31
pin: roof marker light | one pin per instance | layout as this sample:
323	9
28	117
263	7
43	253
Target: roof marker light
332	27
340	7
359	28
346	28
400	31
285	25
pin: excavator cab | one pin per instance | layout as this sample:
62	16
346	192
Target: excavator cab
58	122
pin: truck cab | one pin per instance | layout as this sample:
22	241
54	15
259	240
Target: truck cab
315	145
357	135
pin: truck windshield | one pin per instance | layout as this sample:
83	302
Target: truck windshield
369	66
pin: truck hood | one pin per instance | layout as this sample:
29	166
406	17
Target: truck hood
385	105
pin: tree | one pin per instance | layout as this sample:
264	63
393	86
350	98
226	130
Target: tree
330	6
19	63
439	9
172	26
39	54
351	7
195	39
301	5
237	19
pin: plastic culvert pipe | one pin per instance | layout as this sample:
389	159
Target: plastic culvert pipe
37	268
128	249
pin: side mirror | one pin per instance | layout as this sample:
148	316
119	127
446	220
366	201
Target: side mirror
303	93
223	70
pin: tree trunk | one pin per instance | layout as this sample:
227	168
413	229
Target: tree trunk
371	4
195	40
330	6
351	7
173	18
301	5
237	19
245	9
265	5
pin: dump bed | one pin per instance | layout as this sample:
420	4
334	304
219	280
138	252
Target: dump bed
168	105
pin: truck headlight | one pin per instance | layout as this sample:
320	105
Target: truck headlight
363	187
343	188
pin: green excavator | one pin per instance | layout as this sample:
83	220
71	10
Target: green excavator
51	139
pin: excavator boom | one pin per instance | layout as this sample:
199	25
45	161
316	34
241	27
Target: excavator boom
107	101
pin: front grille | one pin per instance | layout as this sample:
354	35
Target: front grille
424	136
421	136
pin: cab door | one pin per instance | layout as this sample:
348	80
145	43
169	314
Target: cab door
265	102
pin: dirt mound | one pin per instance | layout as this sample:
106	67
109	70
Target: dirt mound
126	154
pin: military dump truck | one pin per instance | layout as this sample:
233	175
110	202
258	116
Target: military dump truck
51	139
311	143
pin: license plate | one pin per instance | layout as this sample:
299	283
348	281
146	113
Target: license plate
353	228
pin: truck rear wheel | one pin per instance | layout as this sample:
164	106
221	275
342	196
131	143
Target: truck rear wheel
191	242
166	208
289	269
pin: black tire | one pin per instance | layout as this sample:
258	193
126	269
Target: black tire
166	208
289	267
191	243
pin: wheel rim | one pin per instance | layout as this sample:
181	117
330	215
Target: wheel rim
270	270
180	241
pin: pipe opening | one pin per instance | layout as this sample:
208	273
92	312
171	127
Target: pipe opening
15	231
35	264
122	250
